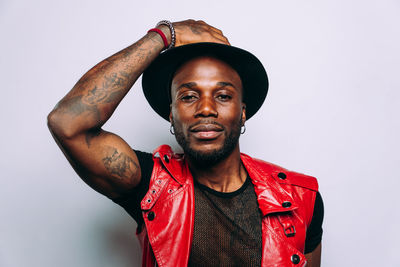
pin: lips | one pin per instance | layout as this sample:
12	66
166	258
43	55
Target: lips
206	128
206	131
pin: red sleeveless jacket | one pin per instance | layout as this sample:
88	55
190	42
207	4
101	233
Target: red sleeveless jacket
286	200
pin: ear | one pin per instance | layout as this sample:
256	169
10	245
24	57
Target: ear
171	120
243	113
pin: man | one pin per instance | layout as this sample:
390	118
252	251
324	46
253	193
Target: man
212	206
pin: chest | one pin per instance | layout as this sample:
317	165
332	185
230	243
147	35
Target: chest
227	226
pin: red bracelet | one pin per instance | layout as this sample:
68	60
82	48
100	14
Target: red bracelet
161	34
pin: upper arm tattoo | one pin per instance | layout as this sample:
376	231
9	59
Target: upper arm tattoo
119	164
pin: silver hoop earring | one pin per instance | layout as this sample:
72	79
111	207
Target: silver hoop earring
243	129
171	129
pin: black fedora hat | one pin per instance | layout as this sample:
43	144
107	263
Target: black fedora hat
157	78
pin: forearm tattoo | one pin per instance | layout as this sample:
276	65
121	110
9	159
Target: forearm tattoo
109	81
104	94
75	107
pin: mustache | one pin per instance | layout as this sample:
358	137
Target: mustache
205	121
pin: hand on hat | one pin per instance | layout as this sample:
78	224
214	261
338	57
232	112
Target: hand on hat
197	31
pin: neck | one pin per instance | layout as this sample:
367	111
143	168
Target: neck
227	175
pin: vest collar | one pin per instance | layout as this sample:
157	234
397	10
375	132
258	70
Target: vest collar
272	198
271	195
174	163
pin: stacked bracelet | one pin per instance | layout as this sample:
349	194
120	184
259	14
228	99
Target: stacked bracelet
171	28
162	36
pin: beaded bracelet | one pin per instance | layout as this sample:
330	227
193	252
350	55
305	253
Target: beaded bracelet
171	28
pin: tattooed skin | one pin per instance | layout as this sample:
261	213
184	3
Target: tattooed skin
90	135
96	95
76	107
100	95
195	29
118	163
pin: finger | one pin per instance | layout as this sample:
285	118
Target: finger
227	41
220	36
221	39
210	27
216	30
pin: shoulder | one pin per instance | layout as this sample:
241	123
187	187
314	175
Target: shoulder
165	151
282	175
302	188
166	160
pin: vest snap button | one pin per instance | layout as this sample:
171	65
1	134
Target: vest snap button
282	175
295	258
151	215
166	158
286	204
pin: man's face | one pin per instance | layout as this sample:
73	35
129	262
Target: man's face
207	110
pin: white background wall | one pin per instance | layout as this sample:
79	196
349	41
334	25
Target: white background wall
332	112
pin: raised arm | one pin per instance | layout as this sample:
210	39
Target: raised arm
314	258
103	159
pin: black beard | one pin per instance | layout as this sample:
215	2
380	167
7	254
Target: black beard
204	159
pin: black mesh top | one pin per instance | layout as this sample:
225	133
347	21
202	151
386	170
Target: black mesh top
226	226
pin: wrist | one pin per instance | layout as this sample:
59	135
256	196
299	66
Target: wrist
166	32
165	29
171	32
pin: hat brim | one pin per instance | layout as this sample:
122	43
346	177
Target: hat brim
157	78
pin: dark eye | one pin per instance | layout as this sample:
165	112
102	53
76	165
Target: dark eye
224	97
188	98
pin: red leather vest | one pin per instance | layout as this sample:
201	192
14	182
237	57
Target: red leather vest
286	200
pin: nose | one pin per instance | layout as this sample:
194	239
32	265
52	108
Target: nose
206	107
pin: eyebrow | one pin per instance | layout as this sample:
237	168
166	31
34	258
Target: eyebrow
222	84
191	85
187	85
